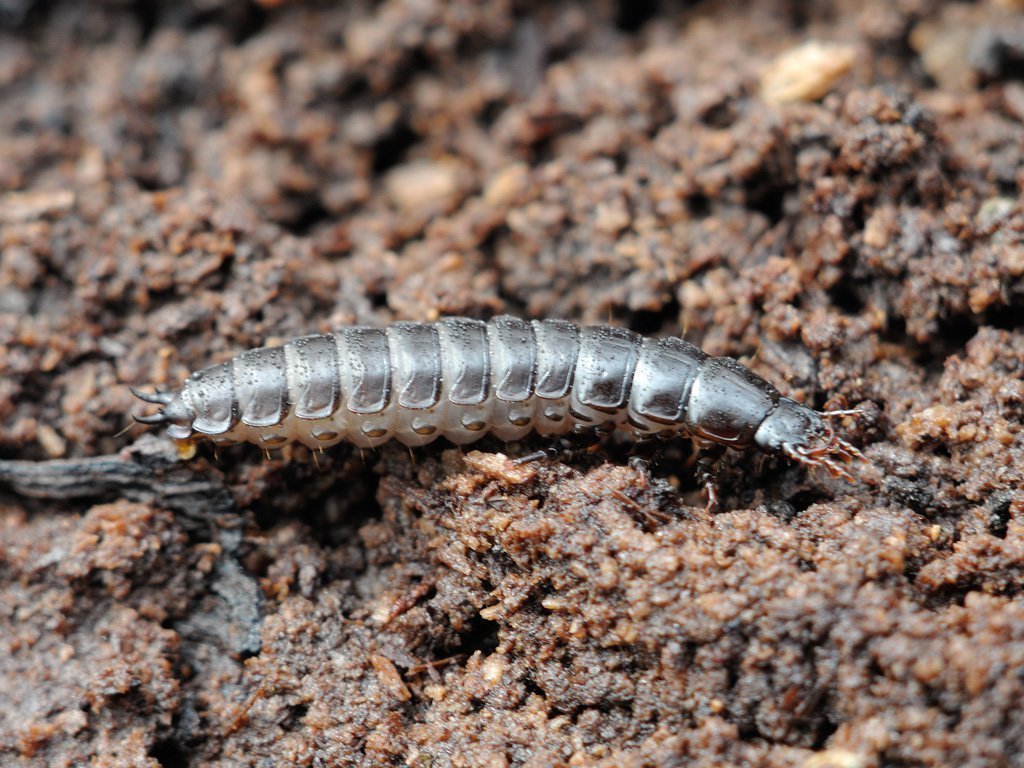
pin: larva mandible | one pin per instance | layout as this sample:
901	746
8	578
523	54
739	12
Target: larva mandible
463	378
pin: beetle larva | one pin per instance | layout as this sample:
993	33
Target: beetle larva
462	378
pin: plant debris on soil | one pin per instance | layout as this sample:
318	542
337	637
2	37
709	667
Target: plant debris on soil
830	192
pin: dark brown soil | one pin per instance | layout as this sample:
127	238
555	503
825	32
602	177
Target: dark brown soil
182	181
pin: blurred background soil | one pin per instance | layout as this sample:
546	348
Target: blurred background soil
829	191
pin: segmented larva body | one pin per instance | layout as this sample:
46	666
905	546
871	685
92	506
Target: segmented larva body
462	378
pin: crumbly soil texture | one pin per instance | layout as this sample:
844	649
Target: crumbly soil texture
830	192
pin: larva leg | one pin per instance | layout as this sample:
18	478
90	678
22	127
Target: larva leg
566	447
708	457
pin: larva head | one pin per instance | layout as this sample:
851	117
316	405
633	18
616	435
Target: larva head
795	431
789	427
176	413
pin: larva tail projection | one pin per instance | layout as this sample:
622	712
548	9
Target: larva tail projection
462	378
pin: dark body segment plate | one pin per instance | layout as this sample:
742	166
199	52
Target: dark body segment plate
365	367
416	364
212	396
314	376
558	346
604	370
466	361
261	386
664	375
513	357
728	402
